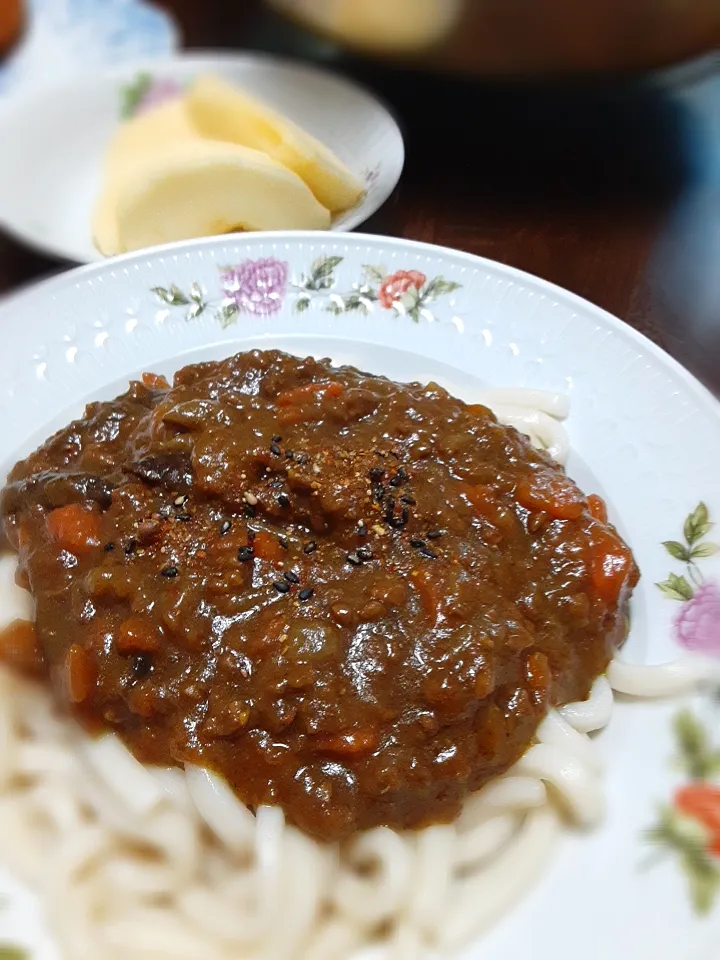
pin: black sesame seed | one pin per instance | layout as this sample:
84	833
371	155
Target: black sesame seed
244	554
166	511
395	454
365	553
275	450
169	572
181	500
353	558
225	528
397	522
277	438
289	455
130	546
291	576
283	541
427	552
251	535
108	547
141	664
250	510
183	517
310	547
377	473
362	529
283	500
418	544
434	534
378	491
306	594
399	478
406	498
281	586
302	458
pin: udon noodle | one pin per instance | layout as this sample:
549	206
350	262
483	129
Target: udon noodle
151	863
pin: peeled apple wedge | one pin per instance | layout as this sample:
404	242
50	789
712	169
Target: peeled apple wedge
198	188
151	130
222	112
137	139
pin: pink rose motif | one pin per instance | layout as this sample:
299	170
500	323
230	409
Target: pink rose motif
394	286
697	625
159	91
257	286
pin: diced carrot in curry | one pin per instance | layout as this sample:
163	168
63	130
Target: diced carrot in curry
597	508
19	647
554	493
611	565
80	674
75	527
300	395
267	547
155	381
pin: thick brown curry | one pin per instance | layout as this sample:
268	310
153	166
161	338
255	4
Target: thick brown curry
350	597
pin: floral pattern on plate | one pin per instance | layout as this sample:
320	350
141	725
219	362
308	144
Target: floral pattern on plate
146	92
689	826
697	624
260	287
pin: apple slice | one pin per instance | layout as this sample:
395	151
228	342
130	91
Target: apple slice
222	112
196	188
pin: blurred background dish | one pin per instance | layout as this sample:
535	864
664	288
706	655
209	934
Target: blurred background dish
522	37
50	40
51	172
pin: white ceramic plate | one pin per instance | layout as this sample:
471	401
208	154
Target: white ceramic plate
54	140
644	434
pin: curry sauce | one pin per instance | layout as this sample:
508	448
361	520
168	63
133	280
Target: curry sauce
350	597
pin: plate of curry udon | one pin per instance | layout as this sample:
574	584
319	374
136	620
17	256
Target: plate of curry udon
360	598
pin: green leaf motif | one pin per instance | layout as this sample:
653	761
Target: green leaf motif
196	294
374	274
677	550
302	304
706	549
324	267
354	301
10	952
438	287
196	309
174	297
676	588
132	95
697	525
227	315
697	757
688	840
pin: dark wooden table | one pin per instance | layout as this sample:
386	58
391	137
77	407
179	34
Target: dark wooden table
611	189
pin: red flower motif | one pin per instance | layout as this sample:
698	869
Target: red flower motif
394	286
697	625
701	801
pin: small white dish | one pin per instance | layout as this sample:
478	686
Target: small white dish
54	140
643	433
